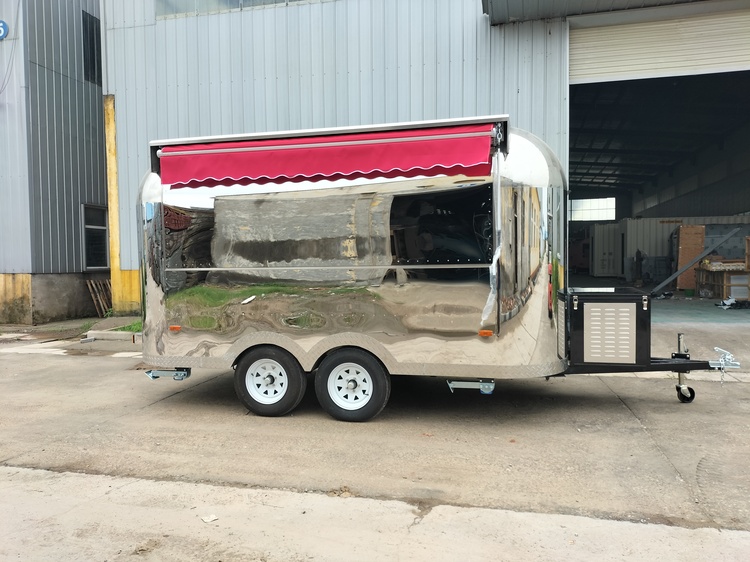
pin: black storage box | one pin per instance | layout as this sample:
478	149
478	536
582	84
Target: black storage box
608	326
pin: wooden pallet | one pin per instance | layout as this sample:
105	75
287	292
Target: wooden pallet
101	293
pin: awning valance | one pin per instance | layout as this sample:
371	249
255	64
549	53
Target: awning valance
453	150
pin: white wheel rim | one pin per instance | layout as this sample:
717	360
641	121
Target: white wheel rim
266	381
350	386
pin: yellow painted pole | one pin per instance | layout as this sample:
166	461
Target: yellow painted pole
126	292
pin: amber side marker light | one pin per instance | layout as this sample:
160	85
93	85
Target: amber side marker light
175	328
486	333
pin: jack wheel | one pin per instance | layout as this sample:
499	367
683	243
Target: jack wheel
685	399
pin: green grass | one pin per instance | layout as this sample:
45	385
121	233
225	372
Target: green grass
205	296
135	327
305	320
87	326
202	322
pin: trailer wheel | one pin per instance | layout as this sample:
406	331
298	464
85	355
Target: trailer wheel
352	385
269	381
683	398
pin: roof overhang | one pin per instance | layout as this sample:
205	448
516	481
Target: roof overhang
515	11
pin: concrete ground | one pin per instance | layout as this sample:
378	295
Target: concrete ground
67	516
99	463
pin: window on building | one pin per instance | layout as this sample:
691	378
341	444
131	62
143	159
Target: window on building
192	7
254	3
95	237
92	49
593	209
167	8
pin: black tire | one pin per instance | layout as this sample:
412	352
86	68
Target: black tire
370	390
276	396
685	399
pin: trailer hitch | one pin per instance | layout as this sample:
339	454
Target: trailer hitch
725	361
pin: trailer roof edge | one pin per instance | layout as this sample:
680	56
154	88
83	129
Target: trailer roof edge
334	130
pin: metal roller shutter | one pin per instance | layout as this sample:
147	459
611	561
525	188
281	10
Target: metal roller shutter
678	47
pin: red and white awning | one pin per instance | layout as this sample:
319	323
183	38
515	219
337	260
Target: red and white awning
449	150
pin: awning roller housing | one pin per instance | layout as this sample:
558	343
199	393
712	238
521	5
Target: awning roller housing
448	150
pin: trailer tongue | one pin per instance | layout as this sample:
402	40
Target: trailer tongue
610	331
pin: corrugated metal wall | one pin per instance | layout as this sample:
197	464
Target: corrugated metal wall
652	235
529	79
65	134
321	64
15	228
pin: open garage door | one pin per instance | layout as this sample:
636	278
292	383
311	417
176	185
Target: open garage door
649	155
708	43
658	129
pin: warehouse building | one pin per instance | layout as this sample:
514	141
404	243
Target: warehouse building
53	218
643	102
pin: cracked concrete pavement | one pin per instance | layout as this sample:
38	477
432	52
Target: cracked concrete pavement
99	463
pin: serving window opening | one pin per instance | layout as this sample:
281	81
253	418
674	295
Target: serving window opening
448	228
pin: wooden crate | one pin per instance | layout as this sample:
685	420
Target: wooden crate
691	240
723	284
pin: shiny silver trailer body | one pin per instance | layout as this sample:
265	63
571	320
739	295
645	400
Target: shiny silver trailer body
356	275
419	308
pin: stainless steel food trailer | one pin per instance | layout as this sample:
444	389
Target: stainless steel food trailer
353	254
